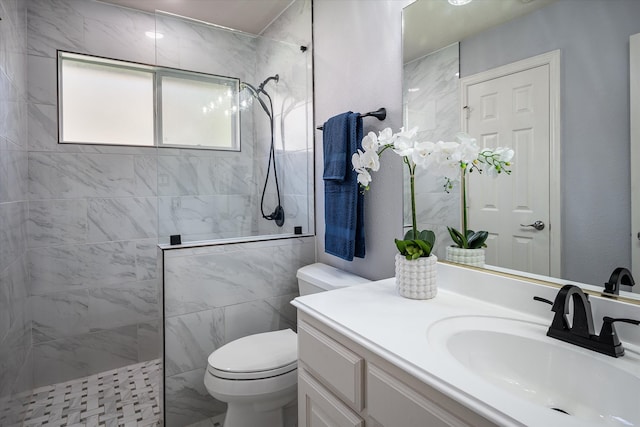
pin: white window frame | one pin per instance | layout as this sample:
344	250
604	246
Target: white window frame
158	73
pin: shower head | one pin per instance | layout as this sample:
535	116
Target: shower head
275	77
260	90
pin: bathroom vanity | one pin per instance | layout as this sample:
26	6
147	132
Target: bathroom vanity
476	355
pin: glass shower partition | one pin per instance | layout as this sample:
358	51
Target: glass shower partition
207	193
244	215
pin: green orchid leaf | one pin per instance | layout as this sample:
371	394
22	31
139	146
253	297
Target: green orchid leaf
410	235
428	236
477	240
424	246
402	246
457	237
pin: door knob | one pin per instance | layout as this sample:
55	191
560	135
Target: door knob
538	225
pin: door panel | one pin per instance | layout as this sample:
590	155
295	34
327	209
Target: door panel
513	111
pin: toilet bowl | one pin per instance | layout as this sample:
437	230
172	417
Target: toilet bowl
257	375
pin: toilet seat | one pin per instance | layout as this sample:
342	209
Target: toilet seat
230	375
256	356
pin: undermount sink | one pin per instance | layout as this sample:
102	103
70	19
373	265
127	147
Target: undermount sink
519	358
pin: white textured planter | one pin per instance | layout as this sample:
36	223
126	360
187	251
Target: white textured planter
416	279
474	257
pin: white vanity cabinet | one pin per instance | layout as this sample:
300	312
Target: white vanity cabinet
343	384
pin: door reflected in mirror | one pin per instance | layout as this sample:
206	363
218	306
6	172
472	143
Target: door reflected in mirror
587	172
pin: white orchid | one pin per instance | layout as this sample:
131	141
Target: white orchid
364	178
449	159
404	142
370	142
370	160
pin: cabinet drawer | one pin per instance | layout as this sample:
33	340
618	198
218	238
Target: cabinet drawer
317	407
340	369
392	403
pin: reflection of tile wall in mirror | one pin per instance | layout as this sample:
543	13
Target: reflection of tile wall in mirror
431	103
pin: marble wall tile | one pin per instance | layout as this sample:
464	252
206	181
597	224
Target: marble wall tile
74	357
190	338
54	25
288	316
191	214
111	349
250	318
13	117
13	43
435	76
57	222
238	274
121	219
231	174
150	340
201	283
12	232
70	267
208	49
61	314
147	261
58	361
66	175
13	406
43	127
14	352
13	176
293	24
5	303
41	77
120	34
177	175
295	172
114	307
201	173
146	175
187	400
14	312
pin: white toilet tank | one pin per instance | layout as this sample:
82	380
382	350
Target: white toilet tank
320	277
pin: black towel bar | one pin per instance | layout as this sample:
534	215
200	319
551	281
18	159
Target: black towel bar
380	114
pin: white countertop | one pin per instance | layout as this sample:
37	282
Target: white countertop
376	317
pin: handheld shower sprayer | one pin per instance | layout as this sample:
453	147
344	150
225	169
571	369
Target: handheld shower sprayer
267	80
278	214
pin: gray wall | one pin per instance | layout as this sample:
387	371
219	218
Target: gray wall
214	295
593	37
15	319
358	67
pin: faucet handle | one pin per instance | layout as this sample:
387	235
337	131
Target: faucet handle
542	300
559	320
609	336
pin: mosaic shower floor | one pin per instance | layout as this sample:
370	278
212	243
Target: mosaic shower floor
126	397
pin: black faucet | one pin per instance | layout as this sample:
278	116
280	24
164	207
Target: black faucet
581	331
620	276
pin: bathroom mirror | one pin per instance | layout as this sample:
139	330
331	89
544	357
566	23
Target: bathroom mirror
444	44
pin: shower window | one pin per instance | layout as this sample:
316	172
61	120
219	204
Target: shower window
107	101
104	101
198	110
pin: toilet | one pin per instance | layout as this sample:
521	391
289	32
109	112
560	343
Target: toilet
257	375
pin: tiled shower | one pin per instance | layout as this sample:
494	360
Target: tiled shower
81	275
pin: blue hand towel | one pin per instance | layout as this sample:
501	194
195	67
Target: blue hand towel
335	147
343	200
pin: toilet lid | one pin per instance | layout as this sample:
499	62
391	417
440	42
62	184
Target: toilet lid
260	353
